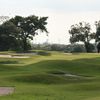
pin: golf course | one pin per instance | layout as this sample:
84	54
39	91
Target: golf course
51	76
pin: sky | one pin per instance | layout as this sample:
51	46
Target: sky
62	14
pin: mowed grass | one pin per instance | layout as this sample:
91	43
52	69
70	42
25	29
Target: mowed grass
49	77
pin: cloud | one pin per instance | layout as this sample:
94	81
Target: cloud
57	5
59	23
69	5
80	1
62	14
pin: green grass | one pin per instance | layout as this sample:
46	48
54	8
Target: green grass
42	77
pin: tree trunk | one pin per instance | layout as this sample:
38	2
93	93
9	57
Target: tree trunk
98	47
25	45
87	47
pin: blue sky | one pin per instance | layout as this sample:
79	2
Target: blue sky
62	14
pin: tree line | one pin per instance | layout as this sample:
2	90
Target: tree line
70	48
16	33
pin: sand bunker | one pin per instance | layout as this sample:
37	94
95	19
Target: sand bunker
72	75
6	90
13	56
62	73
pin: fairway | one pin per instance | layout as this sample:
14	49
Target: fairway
56	76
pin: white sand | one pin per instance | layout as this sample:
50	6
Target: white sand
12	56
6	90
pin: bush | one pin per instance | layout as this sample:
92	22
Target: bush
78	48
43	53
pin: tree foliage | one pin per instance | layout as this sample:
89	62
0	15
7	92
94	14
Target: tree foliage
82	33
20	30
8	38
97	37
97	23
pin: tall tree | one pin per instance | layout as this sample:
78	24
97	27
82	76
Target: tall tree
29	27
81	33
97	23
97	37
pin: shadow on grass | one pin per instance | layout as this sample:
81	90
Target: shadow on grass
47	79
88	67
9	62
9	66
54	71
43	53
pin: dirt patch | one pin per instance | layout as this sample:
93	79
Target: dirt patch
6	90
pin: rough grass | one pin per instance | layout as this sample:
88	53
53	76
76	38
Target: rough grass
40	77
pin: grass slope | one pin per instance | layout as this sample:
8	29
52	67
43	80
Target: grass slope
44	77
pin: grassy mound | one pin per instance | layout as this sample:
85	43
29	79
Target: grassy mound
54	77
